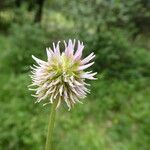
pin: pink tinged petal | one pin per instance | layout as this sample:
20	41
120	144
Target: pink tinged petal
87	59
71	46
88	75
69	49
50	50
49	54
91	76
39	61
78	53
58	49
85	66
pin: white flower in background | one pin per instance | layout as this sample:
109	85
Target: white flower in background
62	77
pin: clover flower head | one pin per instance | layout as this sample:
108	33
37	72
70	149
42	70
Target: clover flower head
62	76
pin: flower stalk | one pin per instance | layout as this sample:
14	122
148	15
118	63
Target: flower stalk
62	78
52	116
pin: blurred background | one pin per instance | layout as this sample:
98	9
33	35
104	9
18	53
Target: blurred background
116	115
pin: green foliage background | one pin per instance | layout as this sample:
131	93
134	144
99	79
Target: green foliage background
115	116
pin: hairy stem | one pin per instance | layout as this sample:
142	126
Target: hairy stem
48	145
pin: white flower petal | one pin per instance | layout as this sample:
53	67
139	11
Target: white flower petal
78	53
39	61
87	59
87	75
85	66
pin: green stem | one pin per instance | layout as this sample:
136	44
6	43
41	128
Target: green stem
48	145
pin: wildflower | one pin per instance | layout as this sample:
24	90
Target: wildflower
62	76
